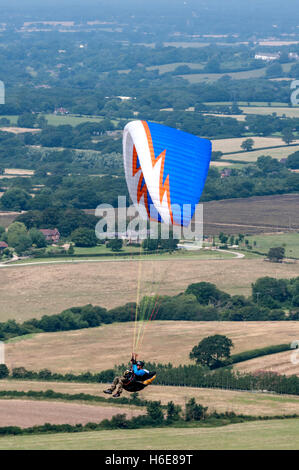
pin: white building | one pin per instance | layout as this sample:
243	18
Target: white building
268	57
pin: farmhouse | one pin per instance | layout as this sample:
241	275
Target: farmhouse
61	111
266	56
51	235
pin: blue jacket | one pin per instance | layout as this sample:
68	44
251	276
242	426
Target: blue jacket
139	372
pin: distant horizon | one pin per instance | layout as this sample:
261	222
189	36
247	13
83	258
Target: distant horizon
215	16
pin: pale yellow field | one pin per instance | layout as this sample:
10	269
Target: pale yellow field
239	117
27	413
284	363
18	171
278	153
248	403
32	291
291	112
101	348
233	145
18	130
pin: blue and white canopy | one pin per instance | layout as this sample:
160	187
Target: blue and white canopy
165	170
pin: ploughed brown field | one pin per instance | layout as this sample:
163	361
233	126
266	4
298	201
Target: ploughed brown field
259	214
27	413
33	291
101	348
7	218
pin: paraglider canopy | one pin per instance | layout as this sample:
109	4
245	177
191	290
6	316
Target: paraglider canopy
165	170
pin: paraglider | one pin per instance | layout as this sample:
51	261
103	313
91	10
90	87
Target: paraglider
165	172
133	380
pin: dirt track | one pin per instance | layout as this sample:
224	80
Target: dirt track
26	413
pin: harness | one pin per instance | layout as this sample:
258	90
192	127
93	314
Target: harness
136	384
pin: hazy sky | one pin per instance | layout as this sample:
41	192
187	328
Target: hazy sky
235	11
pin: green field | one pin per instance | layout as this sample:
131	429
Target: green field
290	241
171	67
254	73
263	435
57	120
90	252
199	77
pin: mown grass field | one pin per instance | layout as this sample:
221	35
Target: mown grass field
290	241
101	348
35	290
171	67
134	253
263	435
59	120
254	73
200	77
246	403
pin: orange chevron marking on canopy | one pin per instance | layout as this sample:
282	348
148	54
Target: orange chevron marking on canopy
163	188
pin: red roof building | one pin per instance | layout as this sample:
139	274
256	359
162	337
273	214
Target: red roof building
51	235
3	245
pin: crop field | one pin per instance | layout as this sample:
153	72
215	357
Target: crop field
95	349
18	130
259	214
291	112
234	145
281	363
240	402
36	290
239	117
252	156
18	172
263	435
27	413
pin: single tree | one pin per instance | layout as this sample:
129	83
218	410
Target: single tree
276	254
212	351
247	145
194	411
287	135
84	237
4	372
115	244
